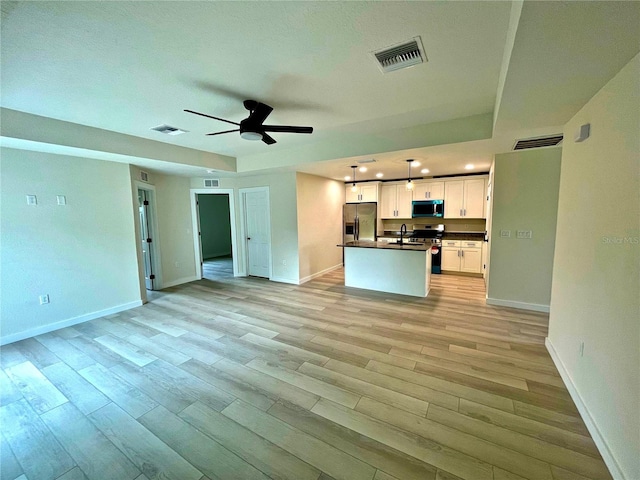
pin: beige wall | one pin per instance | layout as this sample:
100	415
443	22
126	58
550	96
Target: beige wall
320	202
595	296
83	255
525	197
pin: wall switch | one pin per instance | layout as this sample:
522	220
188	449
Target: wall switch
62	200
44	299
284	263
582	349
505	233
32	200
523	233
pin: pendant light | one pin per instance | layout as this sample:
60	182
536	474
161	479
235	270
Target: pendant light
409	182
353	187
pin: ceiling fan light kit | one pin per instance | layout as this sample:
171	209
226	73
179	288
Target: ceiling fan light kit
252	128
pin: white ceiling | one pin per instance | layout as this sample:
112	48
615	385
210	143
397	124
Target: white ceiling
129	66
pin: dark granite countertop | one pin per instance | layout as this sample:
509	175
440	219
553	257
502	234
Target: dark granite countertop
387	246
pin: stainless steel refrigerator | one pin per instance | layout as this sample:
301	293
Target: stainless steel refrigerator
359	221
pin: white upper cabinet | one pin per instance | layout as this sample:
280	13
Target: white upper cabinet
465	198
428	191
395	201
363	193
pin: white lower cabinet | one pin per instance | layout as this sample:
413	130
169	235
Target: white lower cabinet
462	256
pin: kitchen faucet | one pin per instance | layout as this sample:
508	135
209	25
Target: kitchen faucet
403	232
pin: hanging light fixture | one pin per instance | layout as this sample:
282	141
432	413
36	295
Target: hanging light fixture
409	182
353	187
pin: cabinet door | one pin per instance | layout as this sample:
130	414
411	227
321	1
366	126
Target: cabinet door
403	201
436	190
474	201
453	194
450	259
351	197
420	191
369	193
388	201
471	260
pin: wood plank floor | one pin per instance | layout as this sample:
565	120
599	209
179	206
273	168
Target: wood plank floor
235	378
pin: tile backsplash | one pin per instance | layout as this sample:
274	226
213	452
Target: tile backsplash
450	224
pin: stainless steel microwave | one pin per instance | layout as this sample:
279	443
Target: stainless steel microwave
427	208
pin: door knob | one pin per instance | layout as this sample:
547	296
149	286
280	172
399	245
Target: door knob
248	238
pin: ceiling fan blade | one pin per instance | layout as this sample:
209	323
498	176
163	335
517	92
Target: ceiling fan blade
220	133
211	116
286	129
267	139
259	114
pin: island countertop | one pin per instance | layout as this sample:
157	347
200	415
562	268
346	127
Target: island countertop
387	246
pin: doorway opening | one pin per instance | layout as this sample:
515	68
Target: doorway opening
148	238
214	234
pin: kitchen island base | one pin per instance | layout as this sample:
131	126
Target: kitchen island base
402	271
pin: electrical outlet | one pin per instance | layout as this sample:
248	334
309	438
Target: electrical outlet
505	233
582	349
523	233
62	200
44	299
284	263
32	200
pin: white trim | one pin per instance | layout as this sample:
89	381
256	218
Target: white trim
283	280
194	220
180	281
243	229
320	273
155	233
592	426
50	327
520	305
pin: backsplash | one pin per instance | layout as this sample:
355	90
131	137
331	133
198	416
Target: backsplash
451	224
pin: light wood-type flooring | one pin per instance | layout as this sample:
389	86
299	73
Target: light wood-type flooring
242	378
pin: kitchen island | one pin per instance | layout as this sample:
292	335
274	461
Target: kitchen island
388	267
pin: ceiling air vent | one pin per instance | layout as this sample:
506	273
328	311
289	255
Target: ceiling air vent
169	130
400	56
538	142
211	182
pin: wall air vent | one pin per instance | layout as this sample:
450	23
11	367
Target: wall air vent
369	160
211	182
169	130
549	141
400	56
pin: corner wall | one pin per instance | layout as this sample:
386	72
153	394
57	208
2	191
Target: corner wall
595	295
320	202
82	254
525	197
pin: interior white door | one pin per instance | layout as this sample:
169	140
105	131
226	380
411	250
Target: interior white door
146	238
258	238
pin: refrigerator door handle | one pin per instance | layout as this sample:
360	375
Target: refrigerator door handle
356	231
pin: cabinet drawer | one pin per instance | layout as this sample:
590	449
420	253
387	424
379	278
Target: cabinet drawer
450	243
471	243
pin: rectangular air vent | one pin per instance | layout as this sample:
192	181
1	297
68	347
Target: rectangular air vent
144	176
211	182
169	130
400	56
549	141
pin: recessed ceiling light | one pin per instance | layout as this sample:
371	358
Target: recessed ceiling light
424	170
363	169
379	174
347	178
468	166
415	163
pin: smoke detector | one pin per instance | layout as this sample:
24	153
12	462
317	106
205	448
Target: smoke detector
168	129
401	55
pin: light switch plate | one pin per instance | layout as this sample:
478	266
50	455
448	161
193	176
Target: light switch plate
523	234
505	233
62	200
32	200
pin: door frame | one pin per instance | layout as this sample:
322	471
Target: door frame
232	220
153	228
243	227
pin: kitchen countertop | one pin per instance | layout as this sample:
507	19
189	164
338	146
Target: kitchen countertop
387	246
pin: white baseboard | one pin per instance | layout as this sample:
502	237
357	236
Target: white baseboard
320	273
50	327
283	280
179	281
521	305
607	456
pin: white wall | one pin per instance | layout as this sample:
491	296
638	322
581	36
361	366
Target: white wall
525	197
83	255
595	295
320	201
